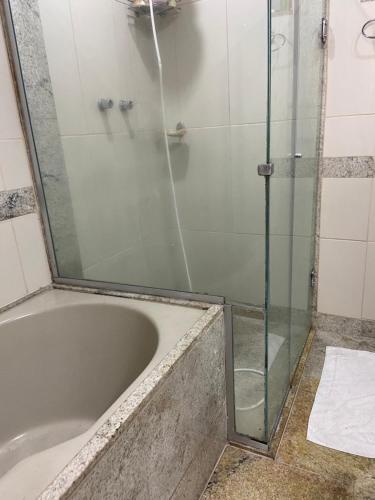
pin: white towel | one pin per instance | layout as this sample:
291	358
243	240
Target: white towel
343	414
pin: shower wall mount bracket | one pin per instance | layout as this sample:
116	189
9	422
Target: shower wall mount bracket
266	169
180	131
160	7
324	31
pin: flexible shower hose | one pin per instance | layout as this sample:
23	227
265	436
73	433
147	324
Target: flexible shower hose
156	43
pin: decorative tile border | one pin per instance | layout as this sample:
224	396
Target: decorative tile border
351	166
17	202
368	328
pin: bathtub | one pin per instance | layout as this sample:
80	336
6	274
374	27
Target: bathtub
68	361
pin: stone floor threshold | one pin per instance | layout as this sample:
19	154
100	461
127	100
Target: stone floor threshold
299	469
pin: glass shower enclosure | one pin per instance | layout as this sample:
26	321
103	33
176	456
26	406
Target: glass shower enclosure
175	147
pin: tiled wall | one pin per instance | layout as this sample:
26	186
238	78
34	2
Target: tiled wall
94	50
215	82
115	161
347	229
350	122
23	262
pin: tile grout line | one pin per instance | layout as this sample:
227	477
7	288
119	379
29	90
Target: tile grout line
354	115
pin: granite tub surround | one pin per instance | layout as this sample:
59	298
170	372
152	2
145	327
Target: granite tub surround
135	296
17	202
346	167
167	436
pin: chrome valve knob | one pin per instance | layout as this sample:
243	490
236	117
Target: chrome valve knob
104	104
126	104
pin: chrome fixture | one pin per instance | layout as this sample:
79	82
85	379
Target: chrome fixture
297	155
179	131
160	7
266	169
324	30
126	104
104	104
364	29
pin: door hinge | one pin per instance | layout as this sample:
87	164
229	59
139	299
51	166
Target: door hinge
324	30
313	278
266	169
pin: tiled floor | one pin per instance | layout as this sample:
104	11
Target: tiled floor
301	469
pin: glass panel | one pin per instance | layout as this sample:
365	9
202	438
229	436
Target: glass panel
280	209
186	213
249	375
247	57
185	217
295	58
103	168
306	170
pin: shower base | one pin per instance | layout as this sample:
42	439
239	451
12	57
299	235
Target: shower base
249	380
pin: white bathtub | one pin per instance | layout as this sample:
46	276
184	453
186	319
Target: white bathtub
67	361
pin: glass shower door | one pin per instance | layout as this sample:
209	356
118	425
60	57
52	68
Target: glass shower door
308	111
295	53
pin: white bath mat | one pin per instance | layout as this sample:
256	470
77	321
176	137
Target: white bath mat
343	414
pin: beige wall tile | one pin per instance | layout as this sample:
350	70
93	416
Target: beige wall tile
341	277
